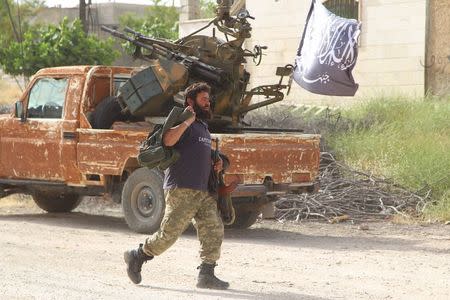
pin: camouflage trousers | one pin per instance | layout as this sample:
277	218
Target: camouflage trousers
183	206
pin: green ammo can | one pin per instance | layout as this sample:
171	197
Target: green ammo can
149	92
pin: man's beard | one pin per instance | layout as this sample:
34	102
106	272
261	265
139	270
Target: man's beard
202	114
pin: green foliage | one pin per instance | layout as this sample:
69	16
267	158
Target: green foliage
159	22
51	46
407	140
27	8
207	9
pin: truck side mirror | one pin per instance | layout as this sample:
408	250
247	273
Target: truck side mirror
19	111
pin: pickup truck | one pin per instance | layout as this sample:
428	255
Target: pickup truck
50	150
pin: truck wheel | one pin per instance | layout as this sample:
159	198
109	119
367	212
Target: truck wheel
246	216
106	113
143	200
109	111
56	202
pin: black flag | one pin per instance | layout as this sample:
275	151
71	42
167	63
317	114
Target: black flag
327	53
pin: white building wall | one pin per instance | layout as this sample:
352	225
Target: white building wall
392	47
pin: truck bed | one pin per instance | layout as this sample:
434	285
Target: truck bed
292	158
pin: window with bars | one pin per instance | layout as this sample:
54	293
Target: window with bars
344	8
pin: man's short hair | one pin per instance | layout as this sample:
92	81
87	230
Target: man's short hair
194	89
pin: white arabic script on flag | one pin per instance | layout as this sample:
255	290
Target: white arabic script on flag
327	53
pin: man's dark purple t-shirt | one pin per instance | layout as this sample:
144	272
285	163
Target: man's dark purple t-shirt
192	169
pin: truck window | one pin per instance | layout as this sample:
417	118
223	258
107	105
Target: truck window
47	97
118	82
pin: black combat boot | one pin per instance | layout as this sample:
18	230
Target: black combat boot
134	259
207	280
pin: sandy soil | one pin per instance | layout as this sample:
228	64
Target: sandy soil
79	256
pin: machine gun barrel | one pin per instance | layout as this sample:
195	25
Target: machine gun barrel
129	30
196	67
131	40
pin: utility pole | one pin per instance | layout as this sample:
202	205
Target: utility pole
83	15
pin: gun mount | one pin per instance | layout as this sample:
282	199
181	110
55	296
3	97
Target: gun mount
173	65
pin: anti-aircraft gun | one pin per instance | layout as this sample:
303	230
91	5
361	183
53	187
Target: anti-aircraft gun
174	65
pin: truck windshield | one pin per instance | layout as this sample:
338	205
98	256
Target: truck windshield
47	98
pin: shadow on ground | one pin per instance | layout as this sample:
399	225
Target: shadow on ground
236	294
355	242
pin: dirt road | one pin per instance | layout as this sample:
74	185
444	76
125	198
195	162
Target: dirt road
79	256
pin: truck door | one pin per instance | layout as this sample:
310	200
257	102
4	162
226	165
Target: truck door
32	148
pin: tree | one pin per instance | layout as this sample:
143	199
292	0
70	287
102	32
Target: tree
11	13
207	9
82	15
50	46
160	21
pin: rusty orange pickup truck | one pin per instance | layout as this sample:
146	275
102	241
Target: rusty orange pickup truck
50	149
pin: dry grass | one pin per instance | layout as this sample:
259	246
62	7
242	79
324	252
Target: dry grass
9	92
403	219
16	200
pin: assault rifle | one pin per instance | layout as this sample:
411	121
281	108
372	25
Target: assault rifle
224	202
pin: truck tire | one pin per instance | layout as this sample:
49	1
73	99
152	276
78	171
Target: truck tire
246	215
106	113
56	202
109	111
143	200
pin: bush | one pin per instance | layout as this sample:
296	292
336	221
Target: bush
160	21
309	119
52	46
407	140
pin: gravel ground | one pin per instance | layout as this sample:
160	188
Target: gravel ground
79	256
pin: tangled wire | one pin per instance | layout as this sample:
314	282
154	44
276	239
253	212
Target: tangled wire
349	194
